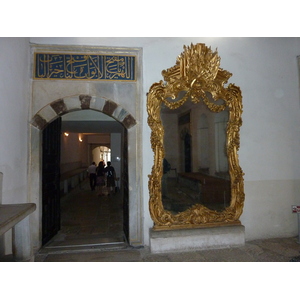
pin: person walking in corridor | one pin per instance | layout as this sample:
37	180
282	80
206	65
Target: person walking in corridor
101	177
92	175
110	178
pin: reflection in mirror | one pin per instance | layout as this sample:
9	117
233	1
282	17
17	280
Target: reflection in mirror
195	164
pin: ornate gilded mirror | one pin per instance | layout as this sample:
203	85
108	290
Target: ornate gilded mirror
195	120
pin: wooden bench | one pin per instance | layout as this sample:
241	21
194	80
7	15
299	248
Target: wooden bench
71	179
16	217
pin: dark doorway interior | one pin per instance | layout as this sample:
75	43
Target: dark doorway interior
187	153
81	218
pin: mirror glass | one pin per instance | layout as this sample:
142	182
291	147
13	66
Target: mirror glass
195	163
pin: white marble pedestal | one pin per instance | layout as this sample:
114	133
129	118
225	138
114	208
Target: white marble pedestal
196	238
16	216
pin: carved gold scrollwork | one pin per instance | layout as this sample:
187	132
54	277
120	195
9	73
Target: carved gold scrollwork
198	75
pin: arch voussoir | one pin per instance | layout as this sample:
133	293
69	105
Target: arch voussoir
81	102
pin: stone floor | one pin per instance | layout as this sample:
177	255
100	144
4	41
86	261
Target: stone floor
270	250
91	231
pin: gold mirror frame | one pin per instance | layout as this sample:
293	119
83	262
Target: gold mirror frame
197	73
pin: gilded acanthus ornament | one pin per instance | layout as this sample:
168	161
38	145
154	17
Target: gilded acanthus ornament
198	77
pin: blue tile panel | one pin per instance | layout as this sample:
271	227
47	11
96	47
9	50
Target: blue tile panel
84	67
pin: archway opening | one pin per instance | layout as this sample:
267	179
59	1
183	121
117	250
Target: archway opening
85	219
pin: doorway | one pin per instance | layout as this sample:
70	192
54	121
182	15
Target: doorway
133	163
82	217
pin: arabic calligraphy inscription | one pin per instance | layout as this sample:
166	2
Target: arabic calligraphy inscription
84	67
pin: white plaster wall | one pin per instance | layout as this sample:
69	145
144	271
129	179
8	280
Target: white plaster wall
14	73
266	70
14	99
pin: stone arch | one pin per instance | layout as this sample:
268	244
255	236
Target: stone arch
81	102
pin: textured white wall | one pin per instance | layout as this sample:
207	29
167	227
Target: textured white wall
14	88
266	71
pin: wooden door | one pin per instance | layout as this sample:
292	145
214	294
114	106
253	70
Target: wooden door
125	187
51	180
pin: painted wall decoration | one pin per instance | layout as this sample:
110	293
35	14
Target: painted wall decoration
84	67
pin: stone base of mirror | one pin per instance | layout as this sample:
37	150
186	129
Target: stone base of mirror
196	239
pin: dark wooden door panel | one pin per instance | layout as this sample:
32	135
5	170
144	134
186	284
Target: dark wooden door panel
125	187
51	180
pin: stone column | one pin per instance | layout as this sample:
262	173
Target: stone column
22	246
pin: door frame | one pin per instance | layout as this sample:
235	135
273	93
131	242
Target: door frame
135	173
